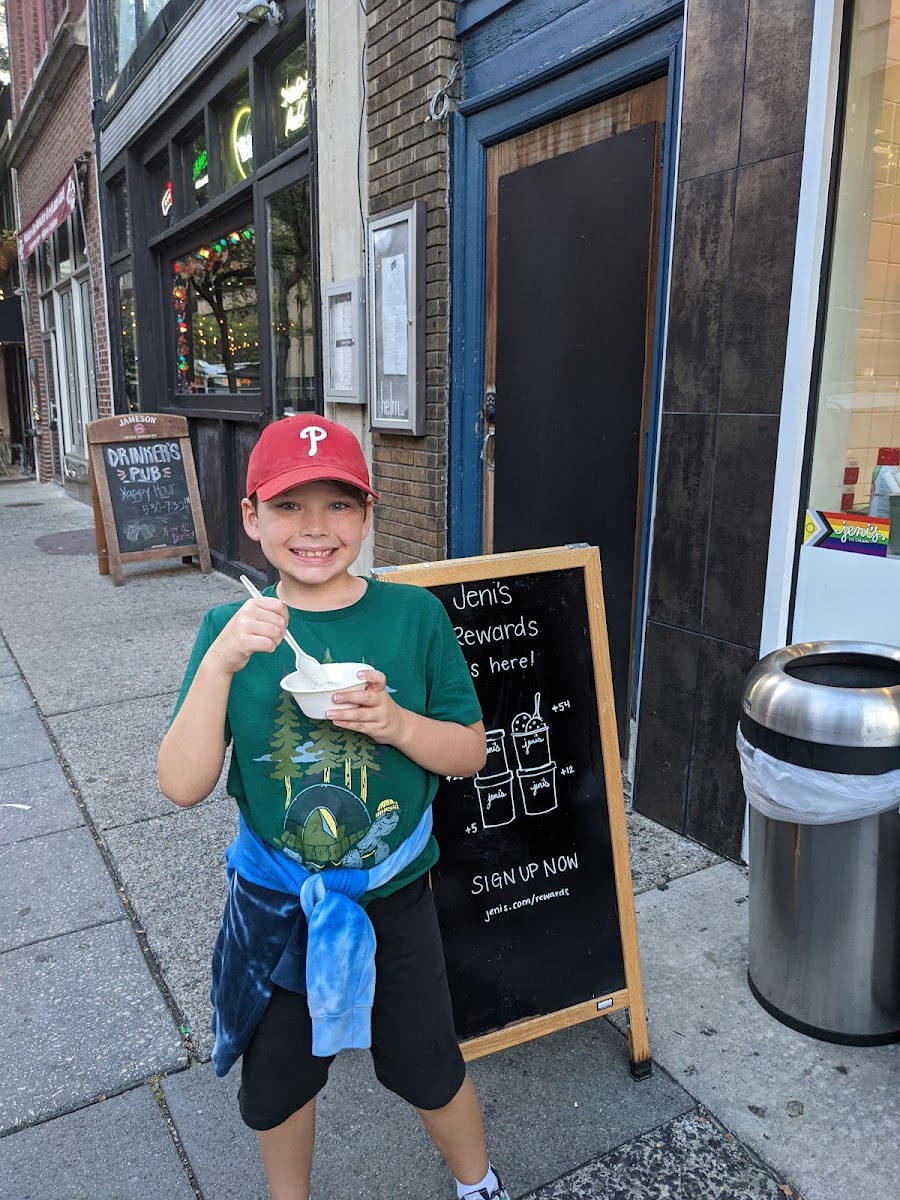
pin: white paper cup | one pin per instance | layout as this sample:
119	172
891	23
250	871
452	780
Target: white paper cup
315	703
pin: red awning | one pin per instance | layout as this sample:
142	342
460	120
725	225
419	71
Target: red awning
50	217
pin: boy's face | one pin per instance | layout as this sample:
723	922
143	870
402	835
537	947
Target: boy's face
311	534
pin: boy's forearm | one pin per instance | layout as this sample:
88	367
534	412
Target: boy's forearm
443	747
193	750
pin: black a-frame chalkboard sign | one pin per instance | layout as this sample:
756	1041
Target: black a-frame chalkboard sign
533	887
145	493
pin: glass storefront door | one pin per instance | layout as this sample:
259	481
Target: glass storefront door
76	373
289	229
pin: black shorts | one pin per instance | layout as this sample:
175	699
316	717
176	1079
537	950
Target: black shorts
414	1046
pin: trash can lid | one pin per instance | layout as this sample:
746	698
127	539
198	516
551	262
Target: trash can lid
835	693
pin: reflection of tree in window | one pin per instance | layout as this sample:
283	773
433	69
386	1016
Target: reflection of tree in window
290	235
214	302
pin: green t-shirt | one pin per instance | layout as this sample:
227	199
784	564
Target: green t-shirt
329	796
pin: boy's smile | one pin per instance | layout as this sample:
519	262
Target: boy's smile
311	534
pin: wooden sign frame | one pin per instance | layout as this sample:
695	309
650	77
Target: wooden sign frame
129	429
631	997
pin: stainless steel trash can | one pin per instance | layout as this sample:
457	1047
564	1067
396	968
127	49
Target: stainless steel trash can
824	951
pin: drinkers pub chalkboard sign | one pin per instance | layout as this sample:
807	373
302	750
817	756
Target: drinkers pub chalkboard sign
533	887
144	488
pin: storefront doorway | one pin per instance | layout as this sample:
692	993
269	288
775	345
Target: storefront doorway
573	212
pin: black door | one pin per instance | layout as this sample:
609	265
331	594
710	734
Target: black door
574	259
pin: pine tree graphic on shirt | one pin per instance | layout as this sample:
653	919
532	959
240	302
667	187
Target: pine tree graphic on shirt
328	745
285	739
359	756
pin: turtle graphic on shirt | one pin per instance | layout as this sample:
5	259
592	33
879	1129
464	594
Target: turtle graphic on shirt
327	826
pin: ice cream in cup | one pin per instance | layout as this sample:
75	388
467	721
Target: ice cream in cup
315	701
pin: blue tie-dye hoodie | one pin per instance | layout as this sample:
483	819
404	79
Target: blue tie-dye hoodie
303	931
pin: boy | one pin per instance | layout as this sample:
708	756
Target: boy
335	830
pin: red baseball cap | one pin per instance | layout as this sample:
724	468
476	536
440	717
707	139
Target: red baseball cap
301	449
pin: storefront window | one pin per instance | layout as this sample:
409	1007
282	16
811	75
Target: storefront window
214	311
126	30
118	196
291	100
128	326
162	209
237	138
856	455
132	20
63	242
198	170
290	258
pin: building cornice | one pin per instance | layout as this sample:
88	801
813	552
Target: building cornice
67	53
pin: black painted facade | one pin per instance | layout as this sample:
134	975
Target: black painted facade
741	121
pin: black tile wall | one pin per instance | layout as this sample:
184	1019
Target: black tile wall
700	270
684	494
666	721
762	265
715	802
739	528
779	40
713	78
744	107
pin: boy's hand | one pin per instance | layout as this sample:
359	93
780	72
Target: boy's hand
256	628
372	712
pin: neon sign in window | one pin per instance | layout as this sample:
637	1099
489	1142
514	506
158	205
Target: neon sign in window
291	99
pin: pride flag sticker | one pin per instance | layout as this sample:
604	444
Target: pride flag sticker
856	532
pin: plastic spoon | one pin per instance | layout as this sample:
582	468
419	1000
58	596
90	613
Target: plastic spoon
305	663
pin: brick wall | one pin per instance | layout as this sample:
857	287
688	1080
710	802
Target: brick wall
411	50
30	28
67	135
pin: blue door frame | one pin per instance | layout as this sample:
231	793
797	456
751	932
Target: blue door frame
648	48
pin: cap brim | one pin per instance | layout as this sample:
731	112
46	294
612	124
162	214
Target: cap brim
310	474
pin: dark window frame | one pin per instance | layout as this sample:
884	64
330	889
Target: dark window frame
258	56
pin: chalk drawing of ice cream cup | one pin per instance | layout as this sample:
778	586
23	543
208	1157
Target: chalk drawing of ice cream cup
538	788
530	738
497	761
495	795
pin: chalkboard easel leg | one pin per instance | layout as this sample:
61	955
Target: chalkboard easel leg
641	1068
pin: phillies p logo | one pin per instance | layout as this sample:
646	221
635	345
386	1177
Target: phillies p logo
314	434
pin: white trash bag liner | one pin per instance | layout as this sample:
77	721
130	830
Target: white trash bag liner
809	797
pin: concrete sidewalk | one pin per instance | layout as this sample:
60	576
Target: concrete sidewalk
109	903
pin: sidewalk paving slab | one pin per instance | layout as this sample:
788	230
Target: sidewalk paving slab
118	660
173	871
689	1158
111	752
117	1150
822	1115
370	1143
24	740
80	1015
8	665
35	799
14	695
51	885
